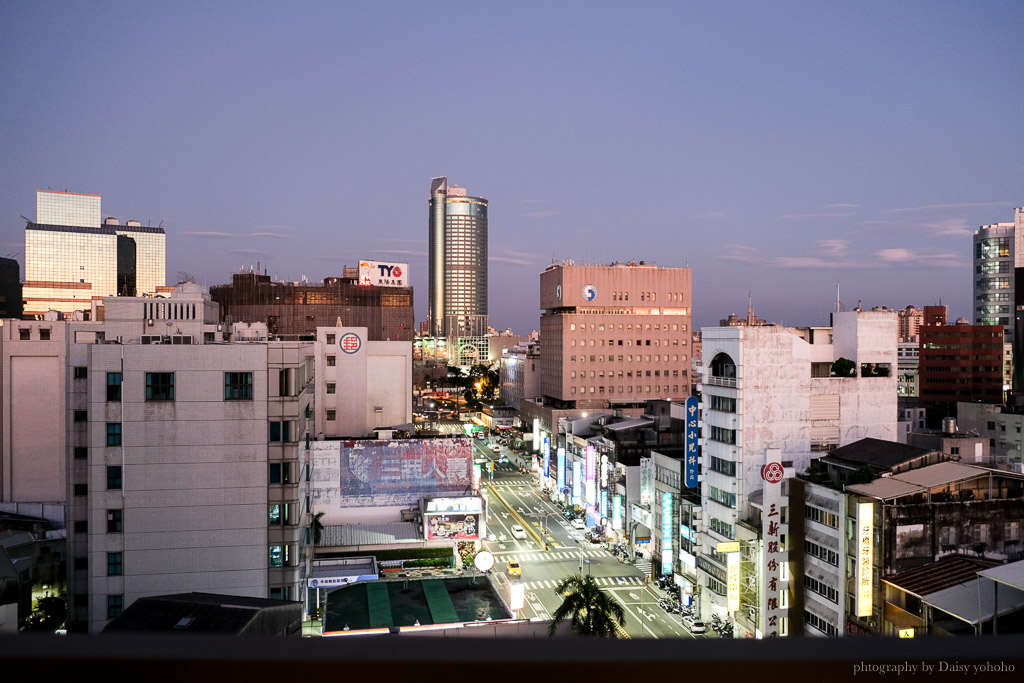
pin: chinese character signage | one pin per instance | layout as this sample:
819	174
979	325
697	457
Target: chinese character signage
690	443
591	490
733	581
604	504
535	446
546	452
646	480
865	541
577	482
561	470
617	513
667	532
774	557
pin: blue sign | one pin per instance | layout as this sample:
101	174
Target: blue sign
546	450
667	532
604	503
692	467
577	481
561	470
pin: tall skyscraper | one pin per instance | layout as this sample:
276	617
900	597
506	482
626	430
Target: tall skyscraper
72	259
458	270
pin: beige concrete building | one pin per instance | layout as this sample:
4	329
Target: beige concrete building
614	335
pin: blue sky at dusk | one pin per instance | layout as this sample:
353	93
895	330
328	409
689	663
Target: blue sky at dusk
776	148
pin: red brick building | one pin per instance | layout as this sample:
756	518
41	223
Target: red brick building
959	362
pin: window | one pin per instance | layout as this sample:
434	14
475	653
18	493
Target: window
333	414
280	556
159	386
280	472
81	526
115	605
283	593
820	516
330	361
24	333
115	564
81	564
280	513
44	334
81	489
113	433
332	385
115	521
81	372
113	386
237	386
330	338
723	435
81	453
114	477
723	404
275	431
81	416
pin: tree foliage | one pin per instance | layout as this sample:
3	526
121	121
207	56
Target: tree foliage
591	611
844	367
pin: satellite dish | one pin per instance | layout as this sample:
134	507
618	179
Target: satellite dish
484	561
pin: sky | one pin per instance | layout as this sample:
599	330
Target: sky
778	149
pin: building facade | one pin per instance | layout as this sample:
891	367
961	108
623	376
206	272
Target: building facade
780	397
959	362
71	259
293	310
614	335
11	303
458	271
998	252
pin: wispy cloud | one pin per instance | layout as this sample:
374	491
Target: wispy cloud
213	235
922	258
809	216
209	235
249	252
947	207
741	253
512	257
842	206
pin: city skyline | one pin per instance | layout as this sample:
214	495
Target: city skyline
774	150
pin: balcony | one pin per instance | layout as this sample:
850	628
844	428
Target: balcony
721	381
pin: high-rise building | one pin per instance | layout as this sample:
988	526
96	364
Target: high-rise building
10	288
615	334
458	270
998	252
71	259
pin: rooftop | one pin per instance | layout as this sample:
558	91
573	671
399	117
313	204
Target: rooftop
877	453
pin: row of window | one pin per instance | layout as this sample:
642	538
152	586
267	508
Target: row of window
723	466
723	497
611	390
722	435
722	527
822	553
723	404
640	327
629	373
822	589
160	385
817	622
816	514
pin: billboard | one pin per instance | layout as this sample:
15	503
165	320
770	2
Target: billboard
546	452
382	274
646	480
452	527
667	532
561	470
733	583
865	557
690	444
400	472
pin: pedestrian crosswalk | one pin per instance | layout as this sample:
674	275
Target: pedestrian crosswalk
643	565
602	581
516	556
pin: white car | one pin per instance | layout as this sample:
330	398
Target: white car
518	532
694	624
579	524
496	448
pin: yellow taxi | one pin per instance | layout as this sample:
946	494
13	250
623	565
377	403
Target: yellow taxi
514	569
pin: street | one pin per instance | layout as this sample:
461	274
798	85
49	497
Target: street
516	498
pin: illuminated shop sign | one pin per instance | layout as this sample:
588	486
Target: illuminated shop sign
865	548
667	532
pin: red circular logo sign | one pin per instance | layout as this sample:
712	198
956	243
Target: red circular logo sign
396	272
350	343
773	473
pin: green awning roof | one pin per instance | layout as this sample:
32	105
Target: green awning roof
379	605
442	611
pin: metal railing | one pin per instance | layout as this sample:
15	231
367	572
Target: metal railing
721	381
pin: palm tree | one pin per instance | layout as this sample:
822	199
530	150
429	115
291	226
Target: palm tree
592	611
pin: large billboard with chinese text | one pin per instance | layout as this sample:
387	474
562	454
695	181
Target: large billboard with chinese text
371	473
382	274
865	557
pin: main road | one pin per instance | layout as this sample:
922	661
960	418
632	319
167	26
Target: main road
516	498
